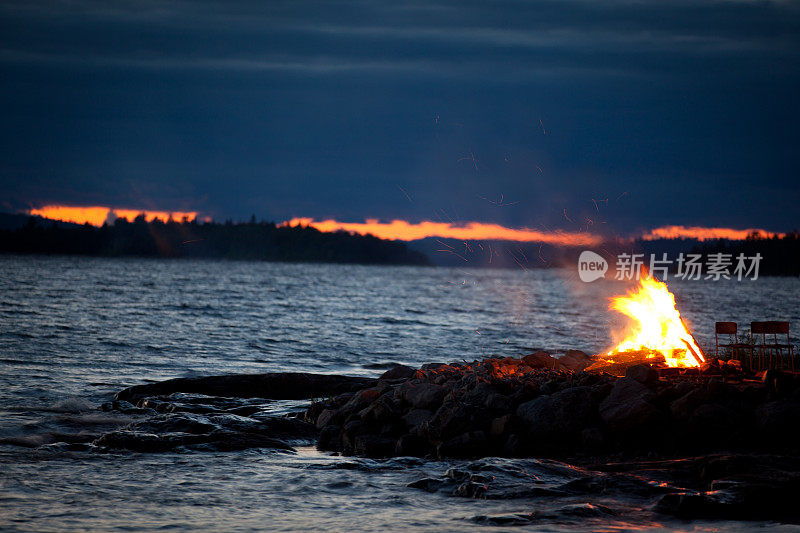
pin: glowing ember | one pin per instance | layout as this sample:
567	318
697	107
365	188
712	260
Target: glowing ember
657	330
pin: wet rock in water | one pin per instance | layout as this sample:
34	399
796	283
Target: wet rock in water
736	500
412	445
521	519
585	510
628	406
222	432
470	489
350	431
230	441
277	386
147	442
325	418
125	407
643	373
330	438
427	484
373	446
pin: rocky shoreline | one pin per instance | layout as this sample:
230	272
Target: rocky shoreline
698	445
542	406
535	406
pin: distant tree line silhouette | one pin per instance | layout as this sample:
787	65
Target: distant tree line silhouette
780	256
185	239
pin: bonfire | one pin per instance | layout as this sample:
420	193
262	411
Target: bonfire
657	335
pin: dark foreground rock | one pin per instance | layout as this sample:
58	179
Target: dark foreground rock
719	486
219	432
723	486
540	405
275	386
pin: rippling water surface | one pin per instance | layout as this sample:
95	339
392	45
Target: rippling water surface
73	331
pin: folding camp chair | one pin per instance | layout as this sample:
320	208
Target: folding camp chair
772	345
730	329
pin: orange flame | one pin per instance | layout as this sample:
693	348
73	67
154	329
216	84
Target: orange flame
405	231
703	234
96	215
657	326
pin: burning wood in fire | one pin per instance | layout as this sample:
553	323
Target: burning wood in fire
657	334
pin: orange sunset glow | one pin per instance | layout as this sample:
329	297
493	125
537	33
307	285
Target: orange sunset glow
96	216
405	231
703	234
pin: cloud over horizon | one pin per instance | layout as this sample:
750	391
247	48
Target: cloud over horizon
636	115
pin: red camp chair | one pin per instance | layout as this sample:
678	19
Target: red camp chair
730	329
771	345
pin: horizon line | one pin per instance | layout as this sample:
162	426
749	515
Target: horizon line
403	230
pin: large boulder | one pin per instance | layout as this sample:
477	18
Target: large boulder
684	407
451	419
558	416
382	410
276	386
540	359
424	395
373	446
643	373
416	417
629	406
469	444
575	360
399	372
779	418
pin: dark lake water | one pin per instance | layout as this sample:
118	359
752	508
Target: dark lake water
73	331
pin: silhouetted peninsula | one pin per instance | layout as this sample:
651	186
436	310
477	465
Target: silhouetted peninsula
192	239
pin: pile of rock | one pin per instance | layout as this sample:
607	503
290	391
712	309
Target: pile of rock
541	405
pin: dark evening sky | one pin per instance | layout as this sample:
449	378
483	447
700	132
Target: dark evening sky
680	112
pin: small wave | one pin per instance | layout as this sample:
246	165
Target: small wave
403	321
71	405
19	334
14	361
